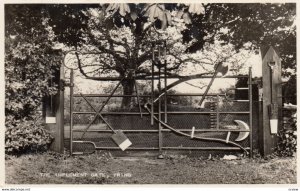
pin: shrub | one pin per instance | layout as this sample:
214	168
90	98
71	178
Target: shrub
30	64
25	135
287	143
289	90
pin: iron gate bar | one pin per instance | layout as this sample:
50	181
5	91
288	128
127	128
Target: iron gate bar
97	113
169	112
129	148
175	148
218	113
165	81
111	148
112	113
195	94
234	112
178	94
88	126
152	86
144	77
167	130
125	130
180	77
205	148
107	95
160	143
110	95
211	130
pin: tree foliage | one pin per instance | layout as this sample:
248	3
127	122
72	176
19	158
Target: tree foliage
238	24
29	60
121	34
29	65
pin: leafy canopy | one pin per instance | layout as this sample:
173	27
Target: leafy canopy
120	36
237	24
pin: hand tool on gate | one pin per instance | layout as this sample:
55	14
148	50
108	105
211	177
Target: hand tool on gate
223	70
118	137
273	107
193	136
219	68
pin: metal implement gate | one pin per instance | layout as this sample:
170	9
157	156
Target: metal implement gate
163	126
161	120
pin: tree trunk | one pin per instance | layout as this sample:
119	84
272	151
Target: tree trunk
128	89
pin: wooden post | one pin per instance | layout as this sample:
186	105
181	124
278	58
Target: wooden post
71	109
54	112
272	94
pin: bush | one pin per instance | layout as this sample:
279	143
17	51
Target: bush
287	143
26	136
289	90
30	64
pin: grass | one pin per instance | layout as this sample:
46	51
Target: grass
52	168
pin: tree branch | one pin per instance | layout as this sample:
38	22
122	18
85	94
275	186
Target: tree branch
114	53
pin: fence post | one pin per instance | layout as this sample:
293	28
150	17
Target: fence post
272	94
53	110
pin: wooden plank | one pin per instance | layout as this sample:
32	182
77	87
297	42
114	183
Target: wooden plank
269	140
71	109
60	113
250	111
53	109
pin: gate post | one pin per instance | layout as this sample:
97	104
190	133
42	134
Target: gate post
53	109
271	106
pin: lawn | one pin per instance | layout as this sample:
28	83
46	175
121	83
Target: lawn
103	168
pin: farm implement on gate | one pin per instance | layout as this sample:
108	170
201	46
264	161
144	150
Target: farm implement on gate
235	136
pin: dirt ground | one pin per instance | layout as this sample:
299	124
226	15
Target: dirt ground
103	168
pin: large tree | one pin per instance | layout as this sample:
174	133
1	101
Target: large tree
120	35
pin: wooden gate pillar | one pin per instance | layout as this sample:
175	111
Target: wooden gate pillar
53	109
271	106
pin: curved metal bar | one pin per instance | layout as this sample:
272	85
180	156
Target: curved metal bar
195	137
182	79
89	142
